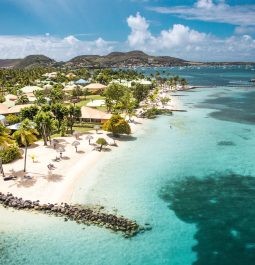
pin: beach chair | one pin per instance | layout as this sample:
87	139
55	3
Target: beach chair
7	178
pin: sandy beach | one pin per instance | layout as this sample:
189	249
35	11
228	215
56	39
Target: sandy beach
57	185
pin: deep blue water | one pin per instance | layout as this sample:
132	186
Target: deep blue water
190	175
229	76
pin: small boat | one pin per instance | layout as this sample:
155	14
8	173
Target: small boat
252	80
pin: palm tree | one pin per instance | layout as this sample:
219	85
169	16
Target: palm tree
101	142
26	135
183	83
5	138
5	141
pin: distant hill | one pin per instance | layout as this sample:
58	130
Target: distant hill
9	63
35	61
114	59
124	59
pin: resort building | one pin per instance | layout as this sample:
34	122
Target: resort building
3	119
48	86
95	87
122	82
144	82
82	82
69	88
8	104
3	109
51	75
129	83
70	75
30	89
11	97
94	115
13	110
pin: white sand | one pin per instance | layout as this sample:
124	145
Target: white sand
56	185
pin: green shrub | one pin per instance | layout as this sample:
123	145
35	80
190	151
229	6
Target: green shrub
154	112
2	99
63	127
12	119
10	153
117	125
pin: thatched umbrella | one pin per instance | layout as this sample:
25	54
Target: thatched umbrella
89	137
75	144
76	134
1	167
61	150
54	142
97	127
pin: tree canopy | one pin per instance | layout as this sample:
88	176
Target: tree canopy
117	125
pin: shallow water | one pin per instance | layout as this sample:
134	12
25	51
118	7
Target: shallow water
193	182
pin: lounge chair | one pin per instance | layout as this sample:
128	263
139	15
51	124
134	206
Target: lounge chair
27	177
57	159
10	178
51	167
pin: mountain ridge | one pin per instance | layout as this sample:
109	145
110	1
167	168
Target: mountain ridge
116	59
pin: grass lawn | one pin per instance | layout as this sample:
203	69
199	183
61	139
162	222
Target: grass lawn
83	128
88	99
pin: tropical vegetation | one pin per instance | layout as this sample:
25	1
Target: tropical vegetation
117	125
26	135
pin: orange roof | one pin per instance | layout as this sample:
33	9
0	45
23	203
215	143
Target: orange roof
10	97
16	109
69	88
95	86
90	113
3	109
30	94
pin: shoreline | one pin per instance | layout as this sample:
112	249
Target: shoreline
60	184
81	215
57	186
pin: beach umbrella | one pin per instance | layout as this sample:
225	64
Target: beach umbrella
54	143
96	127
61	150
1	167
75	144
76	134
75	100
89	137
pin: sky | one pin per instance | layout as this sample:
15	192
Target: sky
198	30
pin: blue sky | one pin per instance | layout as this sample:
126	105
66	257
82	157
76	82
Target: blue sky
203	30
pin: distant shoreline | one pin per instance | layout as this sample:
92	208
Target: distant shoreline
132	59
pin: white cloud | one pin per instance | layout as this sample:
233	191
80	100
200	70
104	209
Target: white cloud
178	41
208	10
141	38
245	30
54	47
184	42
204	4
178	35
139	30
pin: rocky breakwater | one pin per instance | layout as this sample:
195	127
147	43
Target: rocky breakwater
79	214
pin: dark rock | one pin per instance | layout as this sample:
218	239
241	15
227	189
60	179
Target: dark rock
81	215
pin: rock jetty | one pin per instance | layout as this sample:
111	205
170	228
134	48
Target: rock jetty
81	215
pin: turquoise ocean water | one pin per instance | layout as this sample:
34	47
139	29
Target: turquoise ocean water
190	175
